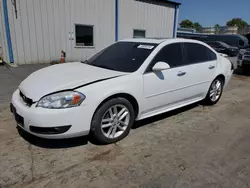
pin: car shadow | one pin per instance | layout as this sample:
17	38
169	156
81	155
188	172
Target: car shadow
159	117
239	71
53	143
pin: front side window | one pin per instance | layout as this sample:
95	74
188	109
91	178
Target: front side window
197	53
84	35
171	54
122	56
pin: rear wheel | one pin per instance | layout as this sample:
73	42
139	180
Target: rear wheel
215	91
112	121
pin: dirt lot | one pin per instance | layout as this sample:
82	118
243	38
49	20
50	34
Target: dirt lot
192	147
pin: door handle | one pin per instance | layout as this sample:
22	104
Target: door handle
181	73
211	67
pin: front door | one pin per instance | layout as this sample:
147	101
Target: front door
163	89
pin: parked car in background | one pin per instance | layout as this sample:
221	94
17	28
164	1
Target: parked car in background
238	41
127	81
224	48
244	59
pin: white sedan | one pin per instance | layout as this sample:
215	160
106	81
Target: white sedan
127	81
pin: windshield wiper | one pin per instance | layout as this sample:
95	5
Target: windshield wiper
86	62
103	66
100	66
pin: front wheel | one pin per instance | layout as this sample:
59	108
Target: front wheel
112	121
215	92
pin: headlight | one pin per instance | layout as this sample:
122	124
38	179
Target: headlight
65	99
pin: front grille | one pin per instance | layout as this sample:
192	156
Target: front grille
19	119
26	100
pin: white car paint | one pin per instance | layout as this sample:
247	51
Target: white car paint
55	78
154	93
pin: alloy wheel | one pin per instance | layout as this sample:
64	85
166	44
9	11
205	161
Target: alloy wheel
215	90
115	121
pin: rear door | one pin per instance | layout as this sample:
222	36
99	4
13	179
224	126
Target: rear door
202	66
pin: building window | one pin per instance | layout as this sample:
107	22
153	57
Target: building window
139	33
84	35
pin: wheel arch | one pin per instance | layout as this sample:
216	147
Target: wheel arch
127	96
222	77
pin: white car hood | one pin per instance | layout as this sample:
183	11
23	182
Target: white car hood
62	77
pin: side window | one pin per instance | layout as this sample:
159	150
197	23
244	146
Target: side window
171	54
197	53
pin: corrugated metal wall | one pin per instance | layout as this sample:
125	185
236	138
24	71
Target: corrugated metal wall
156	18
45	27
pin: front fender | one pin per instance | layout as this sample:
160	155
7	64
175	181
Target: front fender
99	92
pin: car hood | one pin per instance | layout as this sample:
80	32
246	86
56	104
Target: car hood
63	77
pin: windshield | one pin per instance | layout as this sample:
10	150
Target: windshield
122	56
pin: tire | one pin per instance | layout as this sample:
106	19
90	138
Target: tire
212	100
100	125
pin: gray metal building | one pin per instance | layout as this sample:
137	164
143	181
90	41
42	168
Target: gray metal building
35	31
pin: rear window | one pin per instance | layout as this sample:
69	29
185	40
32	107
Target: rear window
123	56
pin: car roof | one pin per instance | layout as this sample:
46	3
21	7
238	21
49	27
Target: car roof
159	40
144	40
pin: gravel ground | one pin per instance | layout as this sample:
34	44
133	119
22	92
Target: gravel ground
192	147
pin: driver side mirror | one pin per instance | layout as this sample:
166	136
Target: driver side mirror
159	66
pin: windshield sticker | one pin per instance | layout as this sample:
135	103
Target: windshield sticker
148	47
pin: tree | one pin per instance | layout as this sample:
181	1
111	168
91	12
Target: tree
217	28
241	24
190	24
197	26
187	24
